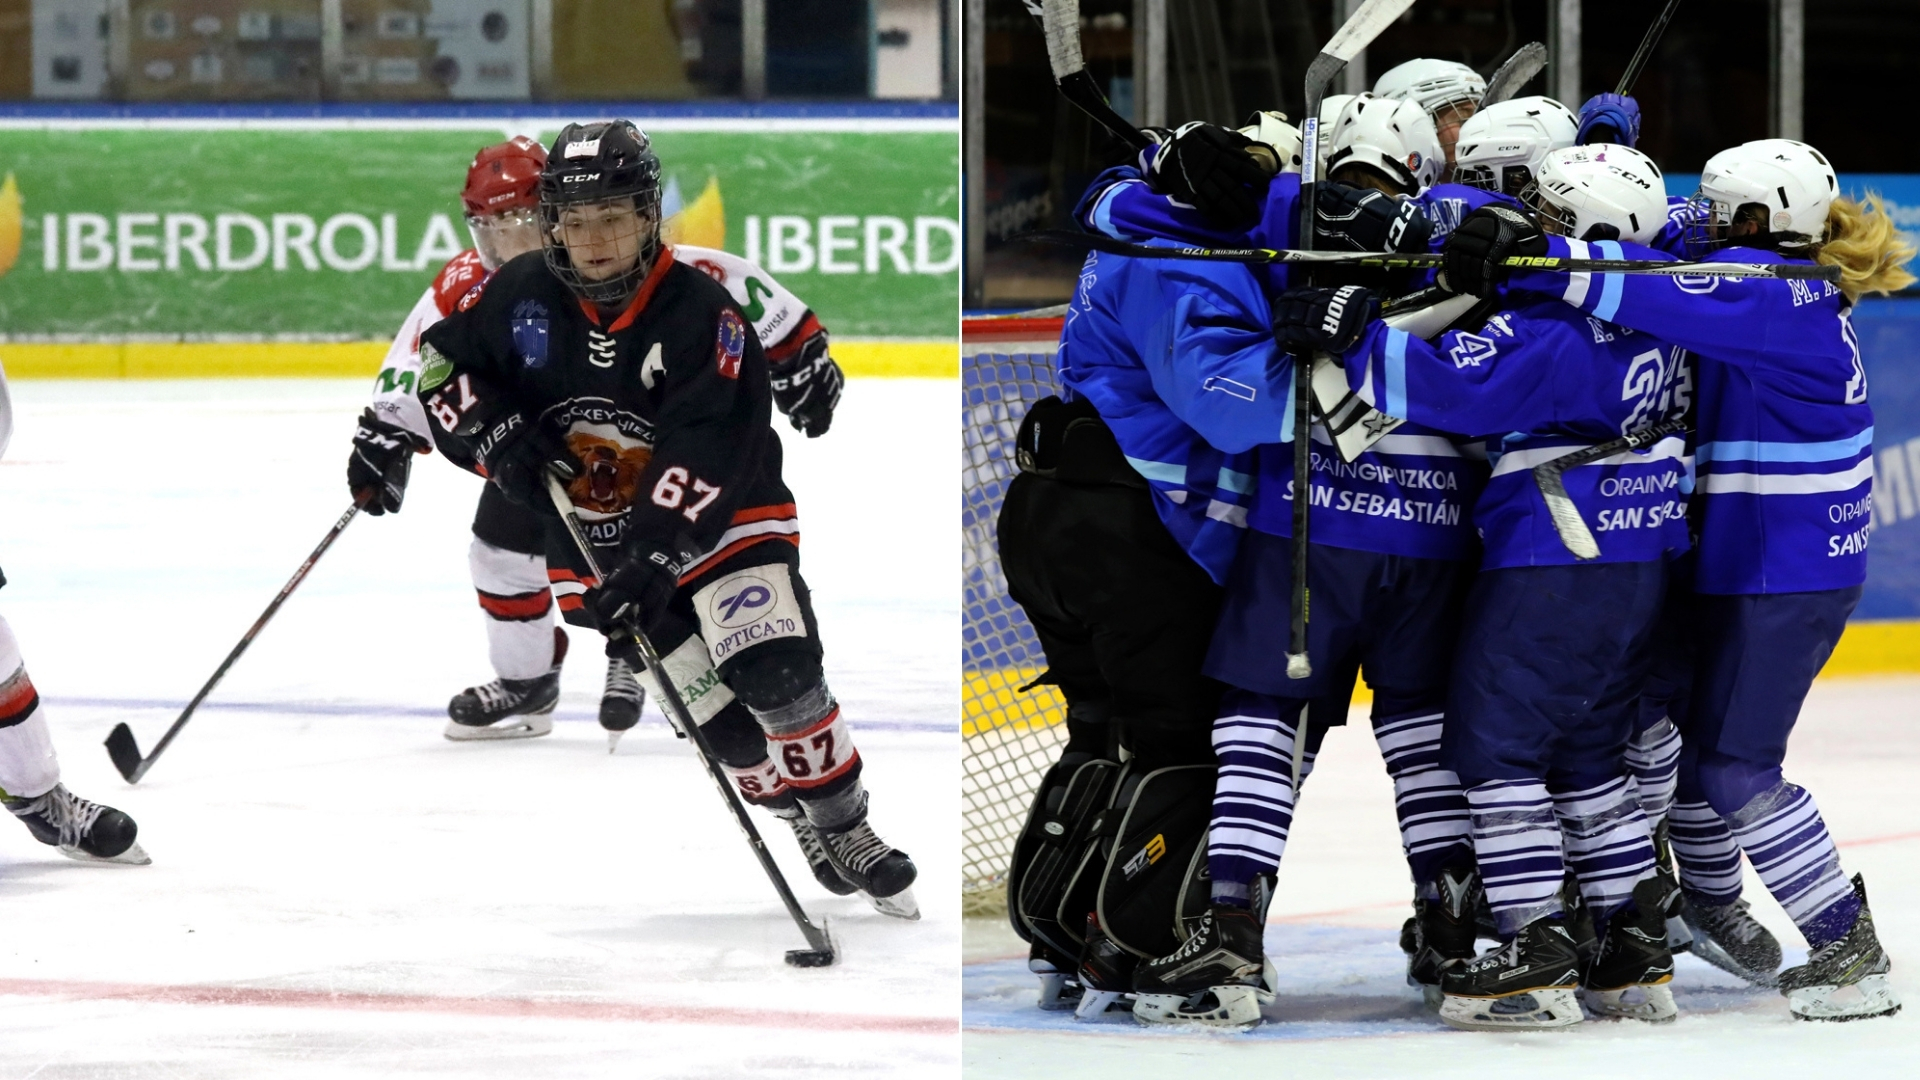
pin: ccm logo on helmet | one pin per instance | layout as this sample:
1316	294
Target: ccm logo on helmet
579	178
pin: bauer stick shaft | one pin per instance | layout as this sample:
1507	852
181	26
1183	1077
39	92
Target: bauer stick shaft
1354	35
1375	260
1567	522
821	952
121	746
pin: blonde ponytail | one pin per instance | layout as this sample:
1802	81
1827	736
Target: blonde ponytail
1863	243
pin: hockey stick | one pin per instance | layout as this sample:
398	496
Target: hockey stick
121	746
1060	20
1567	522
821	954
1645	51
1375	260
1526	62
1360	28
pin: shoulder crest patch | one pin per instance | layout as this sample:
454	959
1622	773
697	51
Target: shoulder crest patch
434	367
731	343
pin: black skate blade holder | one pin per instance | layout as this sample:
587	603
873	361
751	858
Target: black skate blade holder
821	951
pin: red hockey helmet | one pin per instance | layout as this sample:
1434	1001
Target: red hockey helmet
502	197
505	176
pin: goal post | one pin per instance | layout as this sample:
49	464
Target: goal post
1011	737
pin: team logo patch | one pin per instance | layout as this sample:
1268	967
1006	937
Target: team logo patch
530	333
434	367
730	345
471	298
748	607
611	463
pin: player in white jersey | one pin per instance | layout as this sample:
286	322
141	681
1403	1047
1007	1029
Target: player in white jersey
506	558
30	784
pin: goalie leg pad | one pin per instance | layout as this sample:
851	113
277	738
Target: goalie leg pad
1053	843
1153	885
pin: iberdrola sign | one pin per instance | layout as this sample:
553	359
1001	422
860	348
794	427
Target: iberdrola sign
331	234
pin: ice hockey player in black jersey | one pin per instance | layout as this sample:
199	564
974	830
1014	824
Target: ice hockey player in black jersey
639	383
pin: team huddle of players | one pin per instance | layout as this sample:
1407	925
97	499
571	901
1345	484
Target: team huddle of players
573	343
1590	537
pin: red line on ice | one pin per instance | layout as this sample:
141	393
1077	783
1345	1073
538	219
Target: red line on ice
527	1008
1878	839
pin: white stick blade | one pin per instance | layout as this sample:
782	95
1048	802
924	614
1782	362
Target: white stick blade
1363	26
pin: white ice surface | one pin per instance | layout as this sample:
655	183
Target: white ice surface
336	890
1344	1009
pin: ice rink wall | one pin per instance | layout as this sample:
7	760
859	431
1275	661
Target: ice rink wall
154	242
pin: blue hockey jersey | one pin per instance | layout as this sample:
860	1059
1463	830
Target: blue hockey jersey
1784	435
1178	357
1407	496
1446	204
1541	381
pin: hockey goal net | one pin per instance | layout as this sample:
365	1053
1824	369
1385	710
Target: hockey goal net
1011	737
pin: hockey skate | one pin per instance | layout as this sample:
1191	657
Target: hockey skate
508	708
82	830
880	872
1105	973
1216	979
1441	932
813	849
1844	979
620	702
1632	974
1527	983
1731	939
1579	918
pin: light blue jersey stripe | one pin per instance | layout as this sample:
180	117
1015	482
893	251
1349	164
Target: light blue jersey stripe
1103	212
1165	472
1236	482
1611	285
1396	374
1836	450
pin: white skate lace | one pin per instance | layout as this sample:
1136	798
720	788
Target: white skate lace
809	838
495	696
859	849
620	682
72	815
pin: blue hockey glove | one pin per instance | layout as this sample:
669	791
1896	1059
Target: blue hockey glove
1609	118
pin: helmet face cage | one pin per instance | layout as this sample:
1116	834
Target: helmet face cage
1561	219
500	237
611	165
644	230
1708	225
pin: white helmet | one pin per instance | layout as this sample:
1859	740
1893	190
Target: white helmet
1431	83
1580	187
1791	179
1501	146
1273	129
1331	107
1395	138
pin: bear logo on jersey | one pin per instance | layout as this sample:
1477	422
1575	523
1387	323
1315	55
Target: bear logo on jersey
730	345
611	467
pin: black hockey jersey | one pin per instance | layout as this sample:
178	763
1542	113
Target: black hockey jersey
667	407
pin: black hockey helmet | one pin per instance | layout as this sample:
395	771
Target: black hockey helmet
598	163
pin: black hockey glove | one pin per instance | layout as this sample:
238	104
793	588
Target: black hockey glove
518	455
1348	218
806	387
1483	238
1215	170
635	594
380	463
1322	320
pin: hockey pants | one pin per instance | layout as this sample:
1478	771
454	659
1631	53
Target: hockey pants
1547	681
